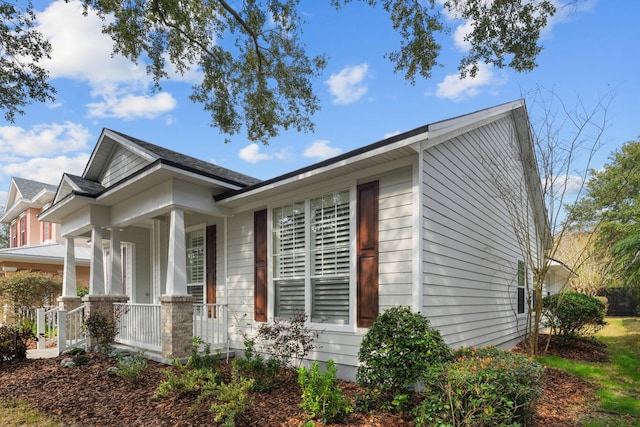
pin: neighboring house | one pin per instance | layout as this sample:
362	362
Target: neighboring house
558	277
35	245
412	220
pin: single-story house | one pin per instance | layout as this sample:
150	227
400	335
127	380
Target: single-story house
412	220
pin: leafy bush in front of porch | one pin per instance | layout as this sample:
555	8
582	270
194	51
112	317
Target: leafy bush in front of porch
232	400
13	342
253	365
196	377
288	341
130	366
321	396
488	387
400	351
103	329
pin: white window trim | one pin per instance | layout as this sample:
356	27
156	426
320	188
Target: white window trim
203	227
329	327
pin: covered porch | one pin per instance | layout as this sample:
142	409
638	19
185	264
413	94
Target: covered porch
157	239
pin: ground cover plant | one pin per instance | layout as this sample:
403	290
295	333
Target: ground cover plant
61	394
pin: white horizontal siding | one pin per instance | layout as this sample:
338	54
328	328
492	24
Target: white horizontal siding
395	239
395	267
240	273
121	165
469	250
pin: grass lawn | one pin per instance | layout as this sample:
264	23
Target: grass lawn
618	382
16	414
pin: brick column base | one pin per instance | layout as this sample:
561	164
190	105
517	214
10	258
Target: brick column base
100	304
177	325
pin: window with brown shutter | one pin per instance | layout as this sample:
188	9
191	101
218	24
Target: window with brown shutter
211	268
260	265
367	254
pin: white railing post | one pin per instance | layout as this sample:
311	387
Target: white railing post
62	331
41	328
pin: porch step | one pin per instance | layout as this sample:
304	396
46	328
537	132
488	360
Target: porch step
46	353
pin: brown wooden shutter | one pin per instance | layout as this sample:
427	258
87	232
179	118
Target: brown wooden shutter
260	269
367	254
211	268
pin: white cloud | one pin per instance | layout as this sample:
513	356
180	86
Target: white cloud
130	106
456	88
3	199
79	48
320	149
348	85
80	51
47	170
390	134
43	139
570	185
251	153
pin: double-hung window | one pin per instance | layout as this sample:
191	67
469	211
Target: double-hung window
195	264
311	258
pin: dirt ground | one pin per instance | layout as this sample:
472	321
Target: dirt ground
88	396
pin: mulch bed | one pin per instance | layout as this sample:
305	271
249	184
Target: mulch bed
88	396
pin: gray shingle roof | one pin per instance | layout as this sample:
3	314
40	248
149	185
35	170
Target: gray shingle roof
29	189
184	161
85	185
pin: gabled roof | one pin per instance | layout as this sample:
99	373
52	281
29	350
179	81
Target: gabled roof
154	153
24	193
104	173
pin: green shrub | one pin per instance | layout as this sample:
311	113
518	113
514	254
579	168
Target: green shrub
484	387
130	366
399	351
232	400
25	290
263	371
321	396
288	341
102	328
573	314
197	377
202	359
13	342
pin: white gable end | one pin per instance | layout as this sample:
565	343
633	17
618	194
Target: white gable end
122	163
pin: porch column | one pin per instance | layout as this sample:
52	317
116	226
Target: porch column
69	274
177	305
96	275
177	259
69	299
115	280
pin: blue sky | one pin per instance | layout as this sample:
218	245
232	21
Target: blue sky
592	52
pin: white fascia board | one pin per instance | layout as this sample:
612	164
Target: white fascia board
16	208
447	129
63	208
411	141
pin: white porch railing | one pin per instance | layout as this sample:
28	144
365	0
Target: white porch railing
47	326
139	325
65	328
71	329
210	324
